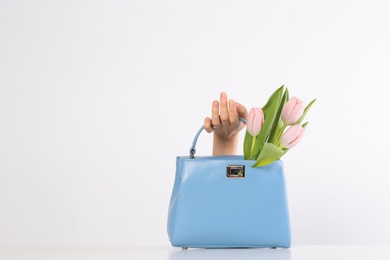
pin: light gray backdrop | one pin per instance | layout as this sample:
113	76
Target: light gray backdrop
97	98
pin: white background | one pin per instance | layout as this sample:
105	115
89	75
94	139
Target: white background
97	98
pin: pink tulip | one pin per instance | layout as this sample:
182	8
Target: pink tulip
292	111
255	121
292	136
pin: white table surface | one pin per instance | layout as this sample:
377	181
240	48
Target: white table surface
302	252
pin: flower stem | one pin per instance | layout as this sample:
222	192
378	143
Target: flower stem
253	143
279	134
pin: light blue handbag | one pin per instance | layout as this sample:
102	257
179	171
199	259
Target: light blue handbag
223	202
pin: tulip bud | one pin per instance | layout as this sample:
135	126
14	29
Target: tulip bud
255	121
292	111
292	136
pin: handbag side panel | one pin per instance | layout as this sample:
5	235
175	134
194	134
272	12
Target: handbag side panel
173	204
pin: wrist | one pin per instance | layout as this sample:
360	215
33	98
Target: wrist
225	146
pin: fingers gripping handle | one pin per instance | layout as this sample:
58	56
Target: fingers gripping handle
193	149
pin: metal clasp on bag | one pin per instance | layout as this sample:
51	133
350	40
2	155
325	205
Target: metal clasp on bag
235	171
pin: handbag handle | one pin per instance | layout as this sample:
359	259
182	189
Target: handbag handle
192	149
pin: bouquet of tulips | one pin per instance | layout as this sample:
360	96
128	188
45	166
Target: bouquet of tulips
275	128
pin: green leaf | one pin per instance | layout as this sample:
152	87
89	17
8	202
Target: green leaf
269	103
278	123
270	110
269	154
305	111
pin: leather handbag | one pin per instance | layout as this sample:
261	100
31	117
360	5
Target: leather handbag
224	202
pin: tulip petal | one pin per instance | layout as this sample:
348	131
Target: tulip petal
292	136
292	111
288	108
255	121
254	124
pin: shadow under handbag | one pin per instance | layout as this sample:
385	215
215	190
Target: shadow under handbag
224	202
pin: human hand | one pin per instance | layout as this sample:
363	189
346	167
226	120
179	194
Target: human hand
225	124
